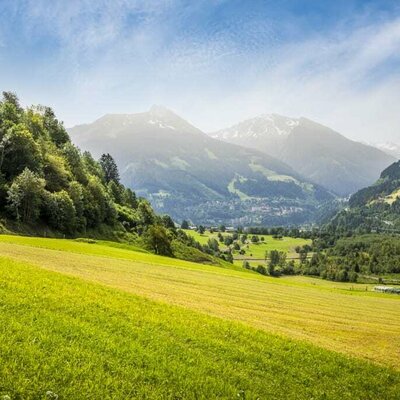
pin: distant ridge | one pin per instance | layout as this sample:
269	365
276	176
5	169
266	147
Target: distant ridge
315	151
190	175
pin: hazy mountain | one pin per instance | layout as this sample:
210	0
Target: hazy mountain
313	150
390	148
190	175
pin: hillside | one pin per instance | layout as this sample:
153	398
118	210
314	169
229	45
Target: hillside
376	207
48	187
316	152
189	175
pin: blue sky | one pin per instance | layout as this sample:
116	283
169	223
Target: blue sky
215	62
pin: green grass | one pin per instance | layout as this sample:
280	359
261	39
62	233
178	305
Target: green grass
84	341
341	317
285	244
257	251
102	248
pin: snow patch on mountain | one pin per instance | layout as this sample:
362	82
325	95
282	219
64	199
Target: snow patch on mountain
160	124
266	125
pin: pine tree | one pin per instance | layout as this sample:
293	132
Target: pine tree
109	168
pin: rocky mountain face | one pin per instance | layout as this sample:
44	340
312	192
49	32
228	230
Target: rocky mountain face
318	153
190	175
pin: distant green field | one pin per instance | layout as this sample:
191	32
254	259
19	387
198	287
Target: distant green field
64	336
257	251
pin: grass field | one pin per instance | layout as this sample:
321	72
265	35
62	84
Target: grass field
64	336
90	321
256	251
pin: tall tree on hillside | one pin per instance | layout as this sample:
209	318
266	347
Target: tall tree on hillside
25	196
10	111
18	150
185	224
110	168
156	239
55	128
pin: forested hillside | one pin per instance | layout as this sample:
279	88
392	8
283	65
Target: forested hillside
362	240
375	208
49	188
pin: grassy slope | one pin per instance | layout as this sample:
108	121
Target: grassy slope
355	322
104	249
110	236
85	341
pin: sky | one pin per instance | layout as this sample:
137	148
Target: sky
214	62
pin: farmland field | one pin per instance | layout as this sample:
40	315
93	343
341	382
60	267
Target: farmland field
83	332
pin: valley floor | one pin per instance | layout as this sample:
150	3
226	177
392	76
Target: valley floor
91	321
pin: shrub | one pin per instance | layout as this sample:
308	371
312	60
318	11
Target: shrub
157	240
60	211
261	269
246	265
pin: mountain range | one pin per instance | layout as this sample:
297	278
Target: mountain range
315	151
190	175
270	170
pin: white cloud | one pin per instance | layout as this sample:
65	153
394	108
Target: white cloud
123	56
336	80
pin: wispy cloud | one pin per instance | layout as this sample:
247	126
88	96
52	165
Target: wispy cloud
215	62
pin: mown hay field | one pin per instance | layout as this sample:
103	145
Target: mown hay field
341	317
62	337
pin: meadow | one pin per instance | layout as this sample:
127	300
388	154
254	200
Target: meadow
255	252
346	318
65	338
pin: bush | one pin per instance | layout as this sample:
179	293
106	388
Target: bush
126	216
213	244
353	276
157	240
255	239
246	265
60	211
261	269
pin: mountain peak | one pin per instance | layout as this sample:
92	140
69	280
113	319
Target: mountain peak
162	117
161	111
264	125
